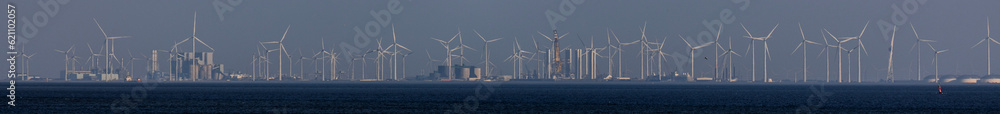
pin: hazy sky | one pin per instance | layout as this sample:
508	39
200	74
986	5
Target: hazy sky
957	25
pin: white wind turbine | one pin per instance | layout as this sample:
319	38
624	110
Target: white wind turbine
804	51
611	56
333	64
486	50
729	53
827	46
659	52
281	50
538	65
754	48
108	51
517	57
860	44
27	59
322	59
919	60
936	52
448	50
92	60
264	57
691	76
717	47
194	31
396	51
66	61
620	51
989	61
840	62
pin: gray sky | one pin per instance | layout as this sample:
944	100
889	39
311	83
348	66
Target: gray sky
957	25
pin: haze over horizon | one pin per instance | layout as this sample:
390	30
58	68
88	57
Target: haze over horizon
156	25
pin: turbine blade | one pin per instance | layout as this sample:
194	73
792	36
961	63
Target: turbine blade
994	41
546	37
480	36
821	52
102	29
203	43
802	32
745	29
685	41
977	44
863	29
194	28
286	33
772	31
831	35
796	48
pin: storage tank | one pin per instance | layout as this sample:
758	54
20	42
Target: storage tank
464	73
442	72
477	72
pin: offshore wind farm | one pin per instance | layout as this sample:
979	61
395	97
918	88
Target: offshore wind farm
572	59
561	56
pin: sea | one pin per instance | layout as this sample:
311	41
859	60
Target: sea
500	97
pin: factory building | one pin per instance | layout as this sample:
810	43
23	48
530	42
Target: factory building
196	66
459	72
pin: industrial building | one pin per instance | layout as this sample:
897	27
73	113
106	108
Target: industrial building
194	66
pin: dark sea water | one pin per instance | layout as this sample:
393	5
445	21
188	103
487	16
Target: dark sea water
498	97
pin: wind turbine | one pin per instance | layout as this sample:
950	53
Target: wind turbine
804	45
396	51
936	52
766	51
92	60
989	61
448	50
717	46
108	51
729	55
919	60
862	45
281	50
827	46
27	59
841	41
486	50
517	57
538	66
659	52
692	53
194	31
66	61
620	51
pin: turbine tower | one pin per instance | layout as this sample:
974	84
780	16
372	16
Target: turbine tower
892	42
